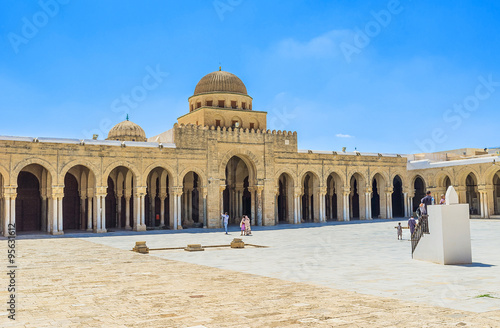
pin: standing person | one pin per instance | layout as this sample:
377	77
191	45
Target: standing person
427	200
443	200
242	226
421	211
411	224
225	220
400	231
247	226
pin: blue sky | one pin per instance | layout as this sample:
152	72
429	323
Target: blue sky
381	76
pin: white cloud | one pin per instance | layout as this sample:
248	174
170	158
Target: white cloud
340	135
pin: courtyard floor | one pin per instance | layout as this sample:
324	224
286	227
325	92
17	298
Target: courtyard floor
354	274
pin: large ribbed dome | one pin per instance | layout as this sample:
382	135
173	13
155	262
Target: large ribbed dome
220	81
127	131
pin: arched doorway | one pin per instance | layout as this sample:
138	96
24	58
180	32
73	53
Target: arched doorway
285	198
119	198
398	209
34	197
158	199
471	194
447	182
192	206
378	200
28	203
310	201
79	188
333	198
111	210
71	203
356	197
419	186
237	196
496	193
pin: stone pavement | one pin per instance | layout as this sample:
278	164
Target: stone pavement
98	282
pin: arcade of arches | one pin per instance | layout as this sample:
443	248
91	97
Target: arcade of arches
39	205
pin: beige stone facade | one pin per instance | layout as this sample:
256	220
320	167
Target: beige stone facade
187	176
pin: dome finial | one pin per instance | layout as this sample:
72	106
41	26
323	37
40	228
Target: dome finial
127	117
220	68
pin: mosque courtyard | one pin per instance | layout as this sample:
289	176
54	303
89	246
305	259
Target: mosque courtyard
350	274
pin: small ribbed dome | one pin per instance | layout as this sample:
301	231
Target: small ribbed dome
127	131
220	81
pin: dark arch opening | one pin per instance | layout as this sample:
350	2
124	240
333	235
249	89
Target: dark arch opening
111	204
398	208
28	203
71	203
355	200
419	187
375	200
496	193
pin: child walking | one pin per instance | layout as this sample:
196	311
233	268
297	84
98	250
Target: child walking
400	231
242	226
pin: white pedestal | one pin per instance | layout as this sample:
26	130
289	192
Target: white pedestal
448	241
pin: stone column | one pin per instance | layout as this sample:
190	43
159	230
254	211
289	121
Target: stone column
57	210
44	213
9	209
259	189
346	204
137	209
368	203
204	194
143	210
162	209
6	215
53	215
82	210
13	196
119	210
322	207
252	205
221	202
100	225
483	203
60	214
128	195
405	204
276	210
179	211
175	208
296	196
89	213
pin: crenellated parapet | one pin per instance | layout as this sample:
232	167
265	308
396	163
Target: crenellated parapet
193	136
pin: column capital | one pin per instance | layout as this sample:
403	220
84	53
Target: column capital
177	191
140	191
163	195
101	191
389	190
259	188
368	190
